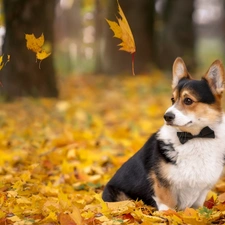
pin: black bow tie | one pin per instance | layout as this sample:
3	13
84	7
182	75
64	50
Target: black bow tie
206	132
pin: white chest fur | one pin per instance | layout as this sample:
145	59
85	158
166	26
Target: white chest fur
199	164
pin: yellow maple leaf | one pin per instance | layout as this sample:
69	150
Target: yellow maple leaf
36	45
2	63
2	214
122	31
33	43
42	54
104	205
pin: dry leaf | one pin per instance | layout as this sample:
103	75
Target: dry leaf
190	216
42	54
65	219
76	216
4	62
36	45
122	31
221	197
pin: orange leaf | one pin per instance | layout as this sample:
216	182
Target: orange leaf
190	212
221	197
190	216
65	219
220	207
170	212
76	216
122	31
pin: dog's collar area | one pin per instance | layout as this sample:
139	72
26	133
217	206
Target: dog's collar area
206	132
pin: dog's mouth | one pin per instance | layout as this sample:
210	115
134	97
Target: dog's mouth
176	125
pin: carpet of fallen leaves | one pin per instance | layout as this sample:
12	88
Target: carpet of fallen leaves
56	155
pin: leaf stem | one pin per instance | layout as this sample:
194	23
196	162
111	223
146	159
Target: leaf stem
132	55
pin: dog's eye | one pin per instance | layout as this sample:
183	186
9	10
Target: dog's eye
172	100
188	101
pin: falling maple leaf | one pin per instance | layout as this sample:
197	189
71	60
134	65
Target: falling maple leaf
2	62
42	55
122	31
36	45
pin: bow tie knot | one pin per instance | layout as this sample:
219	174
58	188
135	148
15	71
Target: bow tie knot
206	132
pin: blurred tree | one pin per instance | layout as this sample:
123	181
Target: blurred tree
178	34
140	15
68	33
22	75
99	20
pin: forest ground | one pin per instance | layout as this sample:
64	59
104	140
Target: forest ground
57	154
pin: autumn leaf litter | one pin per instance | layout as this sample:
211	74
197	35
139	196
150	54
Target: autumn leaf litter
57	155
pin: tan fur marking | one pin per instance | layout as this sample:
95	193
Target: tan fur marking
212	112
162	192
122	197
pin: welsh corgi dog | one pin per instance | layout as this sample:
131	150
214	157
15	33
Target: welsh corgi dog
181	162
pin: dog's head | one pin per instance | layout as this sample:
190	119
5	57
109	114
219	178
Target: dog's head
195	103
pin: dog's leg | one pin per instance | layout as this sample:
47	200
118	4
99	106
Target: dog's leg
164	197
201	199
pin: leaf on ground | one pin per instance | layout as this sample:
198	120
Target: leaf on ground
221	198
54	167
76	216
191	216
65	219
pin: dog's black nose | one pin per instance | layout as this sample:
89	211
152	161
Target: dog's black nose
169	117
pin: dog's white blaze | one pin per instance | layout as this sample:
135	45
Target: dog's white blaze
199	164
180	119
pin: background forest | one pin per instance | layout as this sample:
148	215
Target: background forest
69	122
81	42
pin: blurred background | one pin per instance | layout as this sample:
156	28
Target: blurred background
81	42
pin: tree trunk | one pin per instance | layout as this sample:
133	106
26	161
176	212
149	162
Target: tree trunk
99	20
140	16
178	36
22	75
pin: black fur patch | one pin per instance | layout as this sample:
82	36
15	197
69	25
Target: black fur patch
134	176
167	152
200	88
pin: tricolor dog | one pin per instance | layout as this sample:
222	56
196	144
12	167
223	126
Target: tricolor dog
181	162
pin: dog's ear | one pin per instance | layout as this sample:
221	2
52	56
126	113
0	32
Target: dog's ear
215	77
179	71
